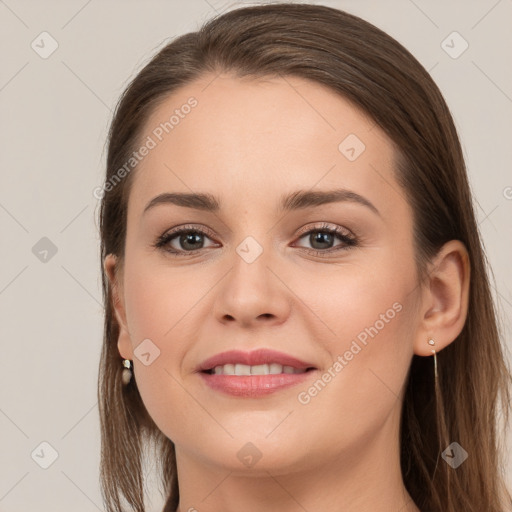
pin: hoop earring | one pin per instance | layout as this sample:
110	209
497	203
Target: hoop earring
127	372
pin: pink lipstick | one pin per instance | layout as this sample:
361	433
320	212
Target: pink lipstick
253	374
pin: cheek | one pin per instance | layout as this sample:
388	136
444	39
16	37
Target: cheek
353	301
370	354
364	319
159	301
167	307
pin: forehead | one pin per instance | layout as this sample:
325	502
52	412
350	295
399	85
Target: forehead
248	138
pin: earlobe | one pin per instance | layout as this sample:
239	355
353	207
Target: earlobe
445	299
111	269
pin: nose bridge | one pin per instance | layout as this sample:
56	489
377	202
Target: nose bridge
250	291
250	260
252	234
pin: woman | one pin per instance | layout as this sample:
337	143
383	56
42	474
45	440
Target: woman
297	307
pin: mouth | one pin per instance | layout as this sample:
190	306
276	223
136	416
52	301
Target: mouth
253	374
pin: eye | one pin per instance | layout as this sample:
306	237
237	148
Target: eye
187	238
322	237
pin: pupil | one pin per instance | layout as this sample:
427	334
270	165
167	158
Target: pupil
321	238
189	237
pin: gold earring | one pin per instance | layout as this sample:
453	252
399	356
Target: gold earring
431	342
127	372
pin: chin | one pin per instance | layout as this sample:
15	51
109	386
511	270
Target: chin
255	455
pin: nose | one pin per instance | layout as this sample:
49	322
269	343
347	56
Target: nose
252	293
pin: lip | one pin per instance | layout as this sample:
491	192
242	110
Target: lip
256	357
253	386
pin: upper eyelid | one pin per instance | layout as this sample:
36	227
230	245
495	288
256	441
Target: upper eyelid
325	227
189	227
303	231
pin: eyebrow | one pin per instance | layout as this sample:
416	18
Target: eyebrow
298	200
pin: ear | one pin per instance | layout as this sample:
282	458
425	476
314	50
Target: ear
444	299
114	274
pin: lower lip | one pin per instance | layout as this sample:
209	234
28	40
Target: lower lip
251	386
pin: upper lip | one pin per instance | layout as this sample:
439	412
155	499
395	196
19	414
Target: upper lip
256	357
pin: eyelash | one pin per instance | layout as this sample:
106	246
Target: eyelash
348	240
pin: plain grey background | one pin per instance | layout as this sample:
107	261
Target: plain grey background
55	112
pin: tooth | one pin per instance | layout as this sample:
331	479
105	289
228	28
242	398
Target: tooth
275	368
261	369
228	369
242	369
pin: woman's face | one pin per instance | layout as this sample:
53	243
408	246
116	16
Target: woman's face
261	277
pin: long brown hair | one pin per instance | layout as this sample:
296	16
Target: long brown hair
378	75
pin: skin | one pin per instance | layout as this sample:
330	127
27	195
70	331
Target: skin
248	142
